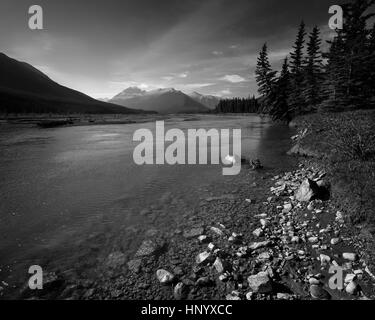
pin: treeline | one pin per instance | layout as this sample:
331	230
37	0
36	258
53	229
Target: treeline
343	78
238	105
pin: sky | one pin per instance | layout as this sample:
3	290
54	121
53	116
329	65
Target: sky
209	46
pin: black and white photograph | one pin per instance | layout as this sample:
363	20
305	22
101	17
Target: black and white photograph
187	150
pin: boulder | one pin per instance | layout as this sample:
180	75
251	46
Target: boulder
203	258
164	276
147	248
260	283
258	232
221	266
306	191
258	245
204	282
204	239
217	231
350	256
193	233
256	164
352	288
318	292
135	265
115	260
180	291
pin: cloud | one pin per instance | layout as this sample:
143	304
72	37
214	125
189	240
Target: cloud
224	92
183	74
217	53
167	78
197	85
234	78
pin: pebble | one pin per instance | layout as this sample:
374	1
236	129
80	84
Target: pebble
349	277
324	259
264	256
204	282
203	239
258	232
310	207
263	222
313	239
258	245
203	258
335	241
232	296
352	288
315	281
249	295
211	246
217	231
350	256
218	264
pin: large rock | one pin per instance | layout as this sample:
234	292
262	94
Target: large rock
180	291
164	276
203	258
193	233
221	266
115	260
260	283
135	265
317	292
147	248
258	245
307	191
350	256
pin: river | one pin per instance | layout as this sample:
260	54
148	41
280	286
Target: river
69	195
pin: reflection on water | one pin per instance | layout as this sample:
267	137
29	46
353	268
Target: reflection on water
69	194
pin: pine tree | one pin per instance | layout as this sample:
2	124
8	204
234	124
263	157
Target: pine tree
333	89
265	76
280	109
357	63
313	71
371	64
296	100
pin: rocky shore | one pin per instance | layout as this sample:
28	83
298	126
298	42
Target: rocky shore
275	236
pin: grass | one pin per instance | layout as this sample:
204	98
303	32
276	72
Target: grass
346	143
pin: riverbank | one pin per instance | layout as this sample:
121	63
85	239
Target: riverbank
256	237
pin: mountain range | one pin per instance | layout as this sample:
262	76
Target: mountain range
25	89
168	100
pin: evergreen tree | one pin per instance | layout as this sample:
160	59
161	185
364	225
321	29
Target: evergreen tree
371	57
280	109
265	76
296	100
356	64
313	71
333	89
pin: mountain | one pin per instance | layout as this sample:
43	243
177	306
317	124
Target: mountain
24	89
209	101
160	100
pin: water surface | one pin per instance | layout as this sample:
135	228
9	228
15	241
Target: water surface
69	196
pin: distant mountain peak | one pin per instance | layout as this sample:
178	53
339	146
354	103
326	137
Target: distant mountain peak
209	101
162	100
